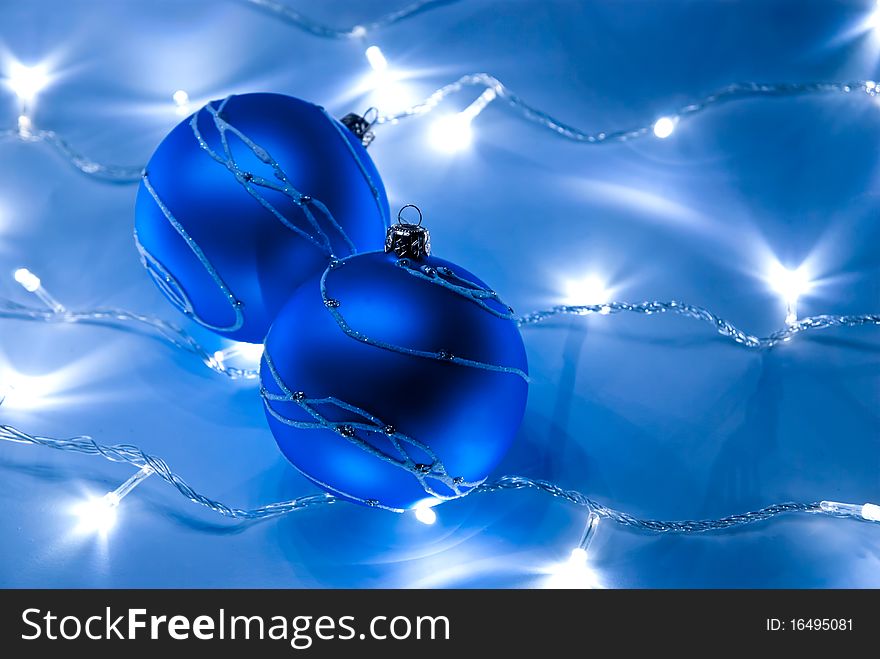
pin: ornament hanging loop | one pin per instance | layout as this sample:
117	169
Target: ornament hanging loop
408	241
361	125
400	219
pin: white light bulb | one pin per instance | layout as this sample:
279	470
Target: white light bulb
790	285
871	512
578	556
451	133
24	125
591	289
32	284
28	280
664	127
424	513
376	58
96	514
27	81
180	98
867	511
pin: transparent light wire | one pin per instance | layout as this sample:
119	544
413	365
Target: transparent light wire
123	319
136	457
723	327
732	92
100	171
181	340
286	13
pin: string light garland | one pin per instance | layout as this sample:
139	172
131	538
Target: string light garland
451	132
100	171
168	332
662	127
55	312
454	132
150	464
722	326
289	15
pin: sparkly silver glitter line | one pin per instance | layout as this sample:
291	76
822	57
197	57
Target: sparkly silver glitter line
136	457
130	321
476	295
166	281
289	15
471	291
399	458
733	92
171	282
250	181
341	130
722	326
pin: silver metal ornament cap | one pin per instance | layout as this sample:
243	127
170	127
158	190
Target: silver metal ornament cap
409	241
361	125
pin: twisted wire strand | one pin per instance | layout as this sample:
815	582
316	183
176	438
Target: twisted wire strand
724	327
180	339
732	92
124	319
102	172
289	15
652	525
136	457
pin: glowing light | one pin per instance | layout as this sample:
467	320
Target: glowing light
867	511
376	58
24	125
32	284
249	352
873	20
27	81
573	573
576	571
588	290
424	513
181	102
28	280
25	392
358	32
664	127
451	133
99	514
790	285
95	515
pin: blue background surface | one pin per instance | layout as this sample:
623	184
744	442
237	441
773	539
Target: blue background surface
656	416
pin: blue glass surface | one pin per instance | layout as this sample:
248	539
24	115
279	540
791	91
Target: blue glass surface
462	416
215	230
656	416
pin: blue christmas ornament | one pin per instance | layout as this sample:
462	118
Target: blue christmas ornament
249	197
405	385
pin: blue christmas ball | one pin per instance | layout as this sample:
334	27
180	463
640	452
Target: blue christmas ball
405	386
246	199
